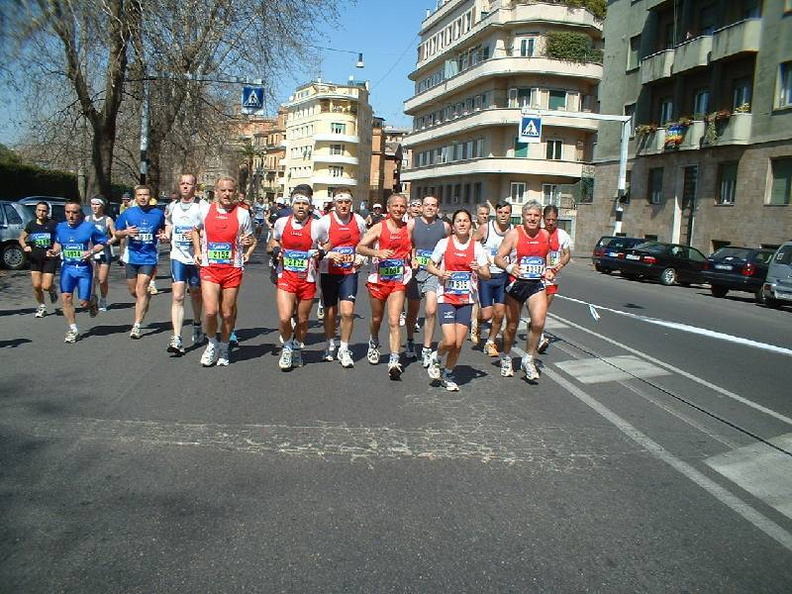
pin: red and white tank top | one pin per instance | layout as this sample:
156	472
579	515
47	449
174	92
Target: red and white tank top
460	288
220	239
395	269
296	243
344	237
531	255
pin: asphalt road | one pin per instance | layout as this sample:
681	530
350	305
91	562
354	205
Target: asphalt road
654	455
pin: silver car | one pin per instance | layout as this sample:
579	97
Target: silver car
778	284
13	218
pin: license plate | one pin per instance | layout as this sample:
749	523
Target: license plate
723	267
632	257
613	254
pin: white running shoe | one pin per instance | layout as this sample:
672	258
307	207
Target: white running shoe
285	361
474	332
543	343
223	356
102	304
135	332
506	366
426	357
373	354
41	311
434	366
402	318
329	353
528	365
345	358
449	383
175	346
72	336
320	312
209	356
394	369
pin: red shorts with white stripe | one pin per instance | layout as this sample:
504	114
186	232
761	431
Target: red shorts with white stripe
381	291
302	288
551	289
228	277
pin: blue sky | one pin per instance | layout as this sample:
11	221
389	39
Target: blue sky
385	31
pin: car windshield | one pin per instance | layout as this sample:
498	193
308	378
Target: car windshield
763	256
652	246
731	252
784	255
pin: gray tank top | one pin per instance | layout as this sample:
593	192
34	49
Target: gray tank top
102	227
425	237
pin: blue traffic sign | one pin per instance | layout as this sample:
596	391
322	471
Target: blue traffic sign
252	99
530	129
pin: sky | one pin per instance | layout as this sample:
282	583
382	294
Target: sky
386	32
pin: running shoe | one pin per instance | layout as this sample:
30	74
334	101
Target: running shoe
93	307
491	350
426	357
72	336
402	318
135	333
345	358
320	312
506	366
417	326
434	366
450	383
198	335
152	288
233	340
175	346
394	369
41	311
474	331
528	365
544	342
209	356
285	361
102	304
409	350
53	295
223	356
373	354
329	353
297	360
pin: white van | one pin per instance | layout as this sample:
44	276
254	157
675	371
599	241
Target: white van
777	288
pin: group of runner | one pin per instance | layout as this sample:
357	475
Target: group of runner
467	272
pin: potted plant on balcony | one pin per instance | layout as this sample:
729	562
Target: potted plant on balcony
645	129
715	122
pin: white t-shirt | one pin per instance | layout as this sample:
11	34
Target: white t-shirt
182	218
554	256
479	255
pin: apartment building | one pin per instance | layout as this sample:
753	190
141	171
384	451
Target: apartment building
328	139
480	64
386	160
709	86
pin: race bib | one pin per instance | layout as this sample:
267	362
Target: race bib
296	260
40	240
144	236
458	284
553	258
391	269
72	253
348	253
531	267
218	252
182	236
423	257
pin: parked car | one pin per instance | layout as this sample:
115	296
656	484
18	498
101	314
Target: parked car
733	268
13	218
670	263
778	284
57	205
610	250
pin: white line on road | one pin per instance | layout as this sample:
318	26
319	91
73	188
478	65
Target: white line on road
687	328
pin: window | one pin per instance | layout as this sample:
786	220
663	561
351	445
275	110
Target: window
12	215
633	55
551	195
519	98
527	46
741	92
701	102
785	85
557	100
520	148
337	128
781	191
554	149
629	110
666	110
727	183
656	185
517	192
336	149
336	171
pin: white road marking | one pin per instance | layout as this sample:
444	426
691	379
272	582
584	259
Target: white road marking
761	470
610	369
687	328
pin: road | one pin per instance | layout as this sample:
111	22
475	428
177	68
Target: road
653	455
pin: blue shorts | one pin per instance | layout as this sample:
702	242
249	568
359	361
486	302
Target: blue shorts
133	270
493	291
185	273
77	277
449	313
337	287
522	290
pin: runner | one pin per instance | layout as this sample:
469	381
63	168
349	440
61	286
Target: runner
181	219
72	240
218	247
492	292
338	233
36	238
557	258
425	233
375	216
388	242
143	226
260	218
101	262
295	251
527	273
457	261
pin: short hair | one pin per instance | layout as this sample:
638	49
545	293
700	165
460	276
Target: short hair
226	178
550	208
141	187
304	189
46	204
531	205
462	211
502	204
432	197
192	175
483	205
393	196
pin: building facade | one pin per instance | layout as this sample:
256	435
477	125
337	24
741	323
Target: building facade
387	159
328	139
709	86
480	64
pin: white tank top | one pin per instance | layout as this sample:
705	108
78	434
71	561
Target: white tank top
492	243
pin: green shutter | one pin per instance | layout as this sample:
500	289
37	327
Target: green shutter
781	192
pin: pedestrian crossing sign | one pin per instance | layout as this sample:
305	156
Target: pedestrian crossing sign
530	129
252	100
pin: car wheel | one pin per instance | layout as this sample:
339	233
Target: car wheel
759	296
718	291
668	277
13	257
598	268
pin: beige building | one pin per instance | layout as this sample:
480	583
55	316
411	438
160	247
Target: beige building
328	139
709	85
387	159
480	64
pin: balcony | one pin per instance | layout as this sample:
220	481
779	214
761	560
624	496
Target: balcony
651	143
735	130
694	136
657	66
340	159
506	66
497	165
329	180
745	36
330	137
693	53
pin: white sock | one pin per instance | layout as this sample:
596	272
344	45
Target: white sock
343	346
73	327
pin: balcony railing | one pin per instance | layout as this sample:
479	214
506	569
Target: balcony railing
692	53
745	36
657	66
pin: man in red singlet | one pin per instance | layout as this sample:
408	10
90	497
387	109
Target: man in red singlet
220	251
527	274
388	244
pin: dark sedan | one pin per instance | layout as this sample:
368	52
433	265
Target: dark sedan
670	263
733	268
609	252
